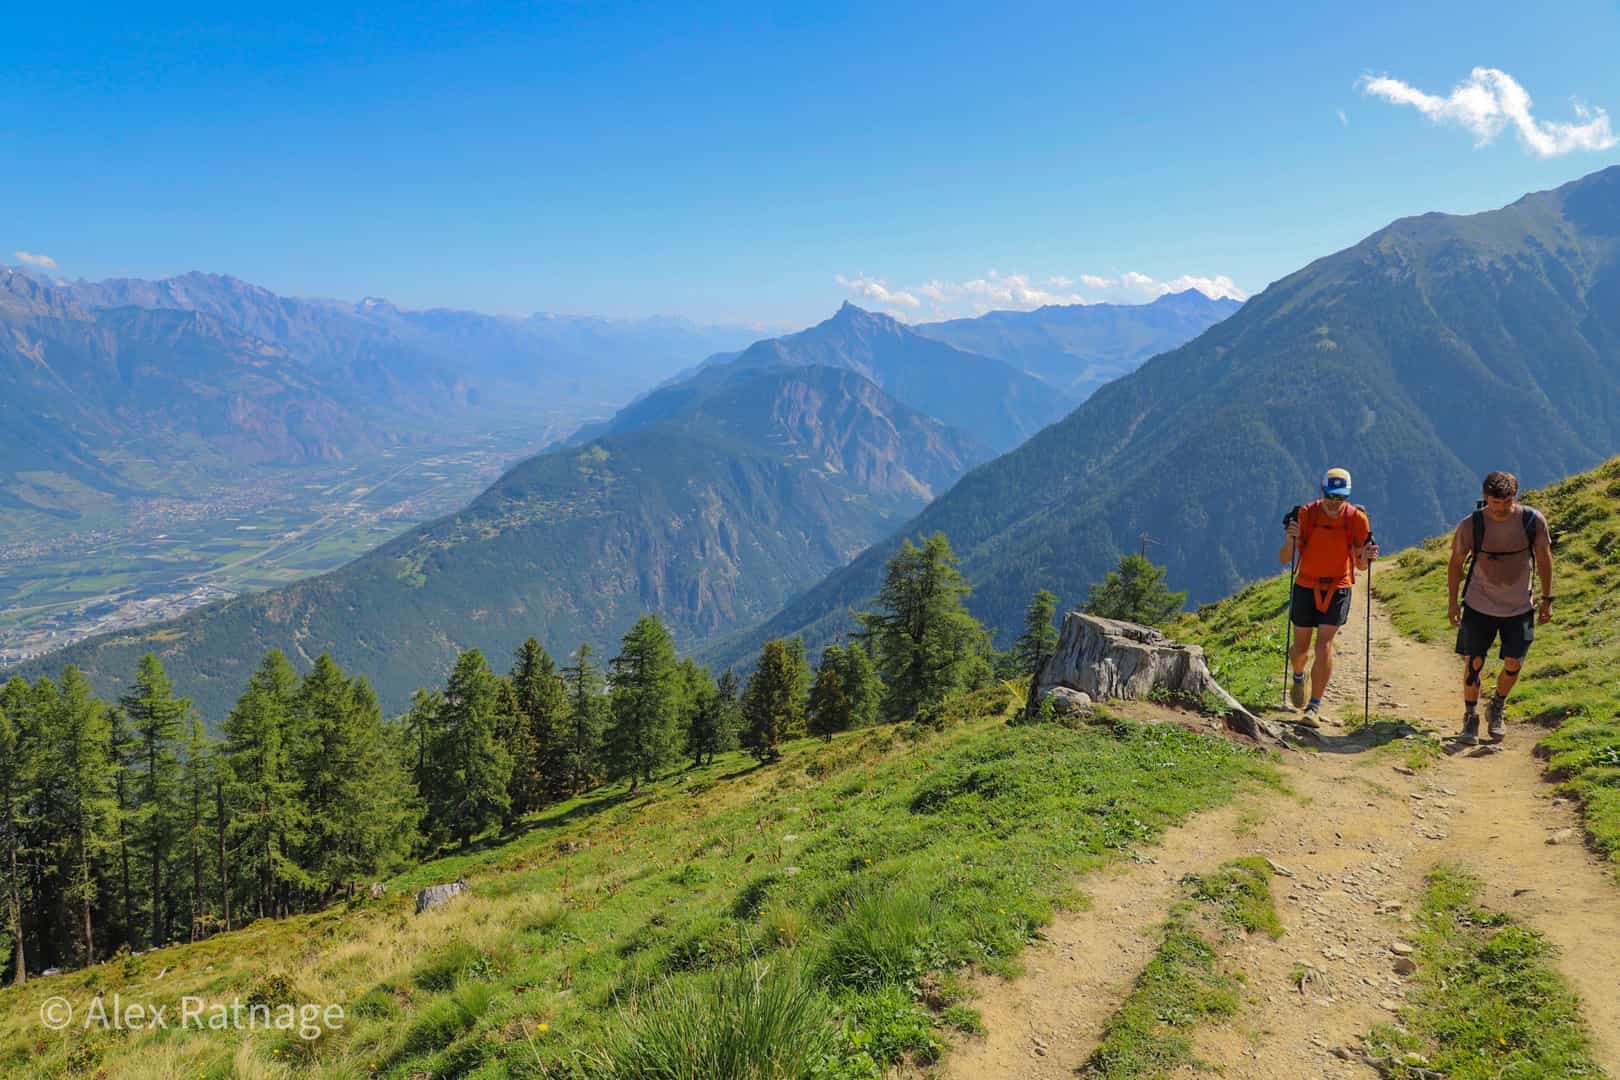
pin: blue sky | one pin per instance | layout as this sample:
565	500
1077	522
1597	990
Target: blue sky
745	163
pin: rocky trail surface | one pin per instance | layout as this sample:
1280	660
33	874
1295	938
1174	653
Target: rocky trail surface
1351	841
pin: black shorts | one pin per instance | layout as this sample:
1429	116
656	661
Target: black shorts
1302	609
1478	631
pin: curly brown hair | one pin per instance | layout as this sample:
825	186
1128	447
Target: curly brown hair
1501	485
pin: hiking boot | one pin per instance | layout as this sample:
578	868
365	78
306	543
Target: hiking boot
1311	717
1296	694
1493	719
1470	731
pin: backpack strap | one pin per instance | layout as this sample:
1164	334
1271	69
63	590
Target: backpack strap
1529	516
1477	519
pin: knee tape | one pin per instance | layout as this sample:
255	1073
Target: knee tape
1476	664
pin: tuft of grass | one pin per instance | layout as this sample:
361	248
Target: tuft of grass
754	1022
882	939
1241	889
1487	1001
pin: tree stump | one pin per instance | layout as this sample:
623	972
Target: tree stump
1106	658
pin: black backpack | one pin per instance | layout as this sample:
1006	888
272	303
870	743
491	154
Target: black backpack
1477	520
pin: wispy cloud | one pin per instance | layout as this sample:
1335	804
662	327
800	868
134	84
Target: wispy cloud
996	291
1344	121
876	289
29	258
1488	102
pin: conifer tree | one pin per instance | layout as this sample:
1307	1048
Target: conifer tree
516	737
1036	644
542	701
154	716
587	711
728	713
79	771
863	685
262	790
196	786
469	768
830	707
421	729
646	702
16	782
1135	592
702	716
122	757
382	818
773	702
923	639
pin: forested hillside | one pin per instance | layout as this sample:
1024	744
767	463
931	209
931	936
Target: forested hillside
1435	350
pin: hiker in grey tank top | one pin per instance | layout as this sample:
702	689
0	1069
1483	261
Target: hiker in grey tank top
1492	551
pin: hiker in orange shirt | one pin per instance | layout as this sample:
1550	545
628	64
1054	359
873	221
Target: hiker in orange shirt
1333	540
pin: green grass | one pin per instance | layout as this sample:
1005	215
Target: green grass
1184	985
864	871
1244	637
1571	679
1486	1003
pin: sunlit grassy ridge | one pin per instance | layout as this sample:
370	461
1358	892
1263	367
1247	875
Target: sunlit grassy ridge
846	882
1572	675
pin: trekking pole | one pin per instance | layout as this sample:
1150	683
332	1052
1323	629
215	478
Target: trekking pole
1366	693
1288	622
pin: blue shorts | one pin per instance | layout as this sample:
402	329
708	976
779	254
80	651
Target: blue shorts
1302	609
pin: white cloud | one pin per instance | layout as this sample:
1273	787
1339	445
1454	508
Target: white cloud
44	262
1489	101
869	288
1344	121
995	291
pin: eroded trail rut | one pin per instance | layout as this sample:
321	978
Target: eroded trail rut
1357	834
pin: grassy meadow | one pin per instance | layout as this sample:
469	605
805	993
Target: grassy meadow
809	918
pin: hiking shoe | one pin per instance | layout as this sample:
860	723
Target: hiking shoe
1311	717
1296	694
1493	719
1470	731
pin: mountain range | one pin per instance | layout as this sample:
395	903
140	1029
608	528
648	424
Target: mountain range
130	387
1435	350
712	500
1078	347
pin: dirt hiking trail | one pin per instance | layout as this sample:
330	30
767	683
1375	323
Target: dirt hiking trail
1356	835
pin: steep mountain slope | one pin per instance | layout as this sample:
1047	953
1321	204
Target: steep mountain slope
1438	348
1078	347
711	518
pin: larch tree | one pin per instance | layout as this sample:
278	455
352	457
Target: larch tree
469	768
922	637
154	716
587	711
1036	644
645	702
262	789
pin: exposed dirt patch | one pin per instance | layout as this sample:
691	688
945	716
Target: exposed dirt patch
1356	842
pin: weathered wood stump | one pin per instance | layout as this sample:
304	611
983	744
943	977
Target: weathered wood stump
1109	659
